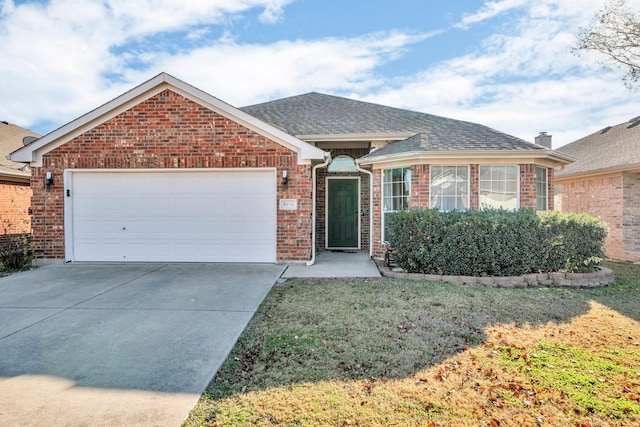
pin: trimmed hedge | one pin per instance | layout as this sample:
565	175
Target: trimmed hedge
495	242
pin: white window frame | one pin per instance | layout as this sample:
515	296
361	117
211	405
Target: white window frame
546	188
480	181
431	192
383	195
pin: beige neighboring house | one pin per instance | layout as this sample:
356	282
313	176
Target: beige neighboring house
604	181
15	190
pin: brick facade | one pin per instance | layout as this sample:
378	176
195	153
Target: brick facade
631	214
613	198
15	199
170	131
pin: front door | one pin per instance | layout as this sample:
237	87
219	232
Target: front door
343	213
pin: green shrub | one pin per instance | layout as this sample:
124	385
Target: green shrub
494	242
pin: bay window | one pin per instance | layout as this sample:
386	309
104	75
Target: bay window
449	187
396	193
499	186
542	203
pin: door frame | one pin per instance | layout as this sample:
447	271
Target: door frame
326	213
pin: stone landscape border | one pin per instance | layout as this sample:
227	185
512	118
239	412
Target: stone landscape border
600	278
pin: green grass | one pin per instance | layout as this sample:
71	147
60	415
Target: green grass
589	379
385	351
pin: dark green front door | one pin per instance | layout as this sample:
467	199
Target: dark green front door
342	213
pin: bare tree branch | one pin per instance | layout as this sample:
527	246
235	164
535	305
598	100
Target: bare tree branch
615	32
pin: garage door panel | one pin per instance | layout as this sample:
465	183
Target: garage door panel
210	216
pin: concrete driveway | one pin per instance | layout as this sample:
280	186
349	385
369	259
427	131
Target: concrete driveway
134	344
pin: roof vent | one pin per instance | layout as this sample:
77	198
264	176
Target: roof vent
544	140
28	139
5	122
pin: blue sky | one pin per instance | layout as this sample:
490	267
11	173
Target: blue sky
503	63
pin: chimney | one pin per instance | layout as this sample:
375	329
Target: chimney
544	140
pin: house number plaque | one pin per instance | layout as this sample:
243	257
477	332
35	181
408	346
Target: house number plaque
288	204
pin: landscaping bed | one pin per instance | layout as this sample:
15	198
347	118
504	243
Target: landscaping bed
602	277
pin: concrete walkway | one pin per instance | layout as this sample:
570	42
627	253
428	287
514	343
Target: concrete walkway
336	264
116	345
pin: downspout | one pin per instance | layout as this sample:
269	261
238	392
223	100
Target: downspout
327	157
370	207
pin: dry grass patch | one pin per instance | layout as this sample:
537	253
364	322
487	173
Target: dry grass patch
390	352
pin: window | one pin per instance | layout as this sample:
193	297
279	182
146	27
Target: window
396	189
541	189
499	187
449	187
342	164
396	193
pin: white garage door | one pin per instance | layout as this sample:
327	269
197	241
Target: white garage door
201	216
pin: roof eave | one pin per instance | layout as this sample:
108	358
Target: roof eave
33	152
8	175
595	172
349	137
558	159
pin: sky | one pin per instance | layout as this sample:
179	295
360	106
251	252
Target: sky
507	64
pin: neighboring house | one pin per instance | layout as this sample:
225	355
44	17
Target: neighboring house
167	172
15	193
604	181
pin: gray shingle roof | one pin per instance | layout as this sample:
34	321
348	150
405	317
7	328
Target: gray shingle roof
320	114
614	147
10	140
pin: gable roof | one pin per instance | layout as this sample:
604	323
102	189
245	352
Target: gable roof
34	151
11	137
319	117
614	148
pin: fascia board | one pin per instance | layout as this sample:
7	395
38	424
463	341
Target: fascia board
8	175
427	157
597	172
349	137
33	152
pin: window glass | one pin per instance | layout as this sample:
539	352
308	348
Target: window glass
396	188
449	187
396	192
542	203
499	187
343	164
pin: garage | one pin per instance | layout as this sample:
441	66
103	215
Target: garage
171	215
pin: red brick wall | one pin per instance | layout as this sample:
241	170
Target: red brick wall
631	215
419	187
170	131
378	250
606	197
528	186
15	199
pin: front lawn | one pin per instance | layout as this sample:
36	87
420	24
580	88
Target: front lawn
395	352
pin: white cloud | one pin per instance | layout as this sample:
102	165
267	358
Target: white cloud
65	57
56	54
489	10
243	74
523	79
